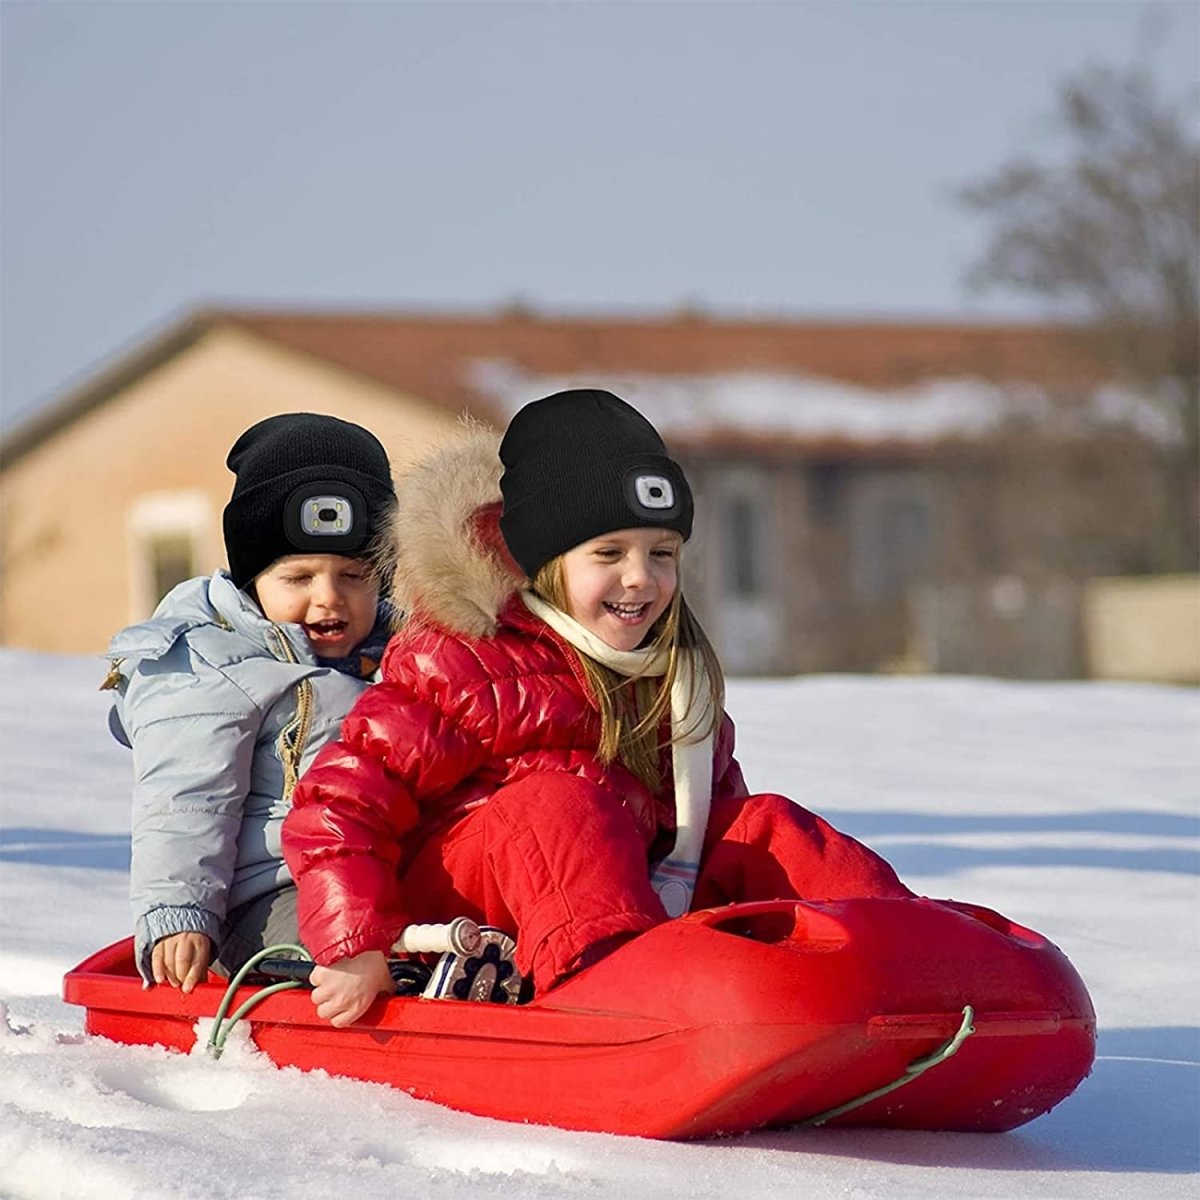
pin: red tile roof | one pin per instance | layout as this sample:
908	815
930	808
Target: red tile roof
428	354
434	356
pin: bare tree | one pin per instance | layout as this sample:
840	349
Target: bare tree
1110	232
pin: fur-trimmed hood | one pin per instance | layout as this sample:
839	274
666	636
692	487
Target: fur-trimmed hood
452	566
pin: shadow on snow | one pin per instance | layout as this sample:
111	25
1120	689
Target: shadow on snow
63	848
1136	1113
937	857
111	851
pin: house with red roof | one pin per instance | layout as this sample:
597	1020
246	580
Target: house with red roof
871	495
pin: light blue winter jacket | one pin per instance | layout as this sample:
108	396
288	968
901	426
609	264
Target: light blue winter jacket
212	698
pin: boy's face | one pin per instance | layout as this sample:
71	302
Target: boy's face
332	598
619	584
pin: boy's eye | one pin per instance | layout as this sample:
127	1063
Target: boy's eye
665	552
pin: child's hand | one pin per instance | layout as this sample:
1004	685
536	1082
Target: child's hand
181	959
344	990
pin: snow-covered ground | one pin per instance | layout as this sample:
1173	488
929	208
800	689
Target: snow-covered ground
1072	808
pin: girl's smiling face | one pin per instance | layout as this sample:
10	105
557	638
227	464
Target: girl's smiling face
619	584
332	598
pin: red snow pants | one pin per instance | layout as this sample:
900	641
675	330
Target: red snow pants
555	861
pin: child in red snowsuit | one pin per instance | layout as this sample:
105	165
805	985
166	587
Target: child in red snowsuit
547	751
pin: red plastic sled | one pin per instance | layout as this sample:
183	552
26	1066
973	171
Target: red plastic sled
722	1021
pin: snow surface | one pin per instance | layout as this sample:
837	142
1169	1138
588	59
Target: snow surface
1070	807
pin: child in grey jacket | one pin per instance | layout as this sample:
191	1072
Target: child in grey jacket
227	693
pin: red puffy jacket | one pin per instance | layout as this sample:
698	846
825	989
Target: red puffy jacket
454	719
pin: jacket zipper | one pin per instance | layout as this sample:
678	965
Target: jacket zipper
293	737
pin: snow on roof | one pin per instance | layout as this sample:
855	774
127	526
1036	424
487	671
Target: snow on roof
798	407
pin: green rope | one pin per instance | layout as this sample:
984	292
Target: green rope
222	1027
914	1070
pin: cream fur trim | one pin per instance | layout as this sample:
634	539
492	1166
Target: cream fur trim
442	568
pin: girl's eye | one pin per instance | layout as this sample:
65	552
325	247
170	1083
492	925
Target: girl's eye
665	552
296	580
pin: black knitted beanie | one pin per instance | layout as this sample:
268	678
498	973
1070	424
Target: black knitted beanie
306	484
583	463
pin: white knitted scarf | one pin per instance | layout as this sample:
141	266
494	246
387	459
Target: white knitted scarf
674	879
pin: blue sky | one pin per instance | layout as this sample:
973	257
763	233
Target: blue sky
744	156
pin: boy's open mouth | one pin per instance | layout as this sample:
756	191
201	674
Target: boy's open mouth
326	631
629	614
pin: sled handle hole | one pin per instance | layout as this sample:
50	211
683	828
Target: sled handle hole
774	921
996	921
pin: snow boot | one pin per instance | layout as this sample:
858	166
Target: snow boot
490	974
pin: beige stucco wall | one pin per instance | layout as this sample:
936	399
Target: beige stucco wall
1144	629
67	573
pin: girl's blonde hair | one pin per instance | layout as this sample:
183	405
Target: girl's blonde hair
633	708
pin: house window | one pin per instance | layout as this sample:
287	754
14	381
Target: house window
747	614
168	535
172	559
827	489
892	535
744	537
906	538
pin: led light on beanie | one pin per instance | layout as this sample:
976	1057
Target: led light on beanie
317	520
653	492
